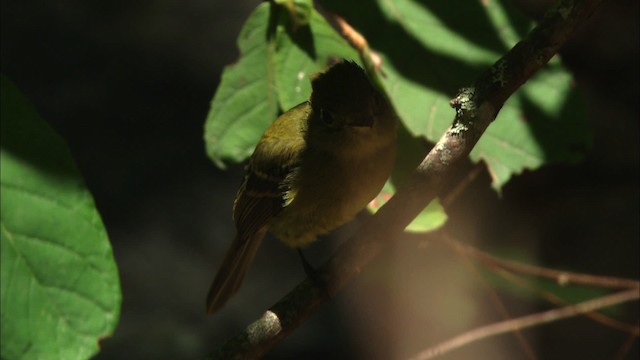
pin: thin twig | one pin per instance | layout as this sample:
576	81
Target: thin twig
602	319
371	59
562	277
461	186
626	347
527	321
499	304
506	269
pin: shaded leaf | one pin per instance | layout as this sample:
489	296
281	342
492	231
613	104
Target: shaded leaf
432	49
299	10
272	75
60	290
304	52
245	103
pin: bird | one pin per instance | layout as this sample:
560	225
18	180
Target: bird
315	167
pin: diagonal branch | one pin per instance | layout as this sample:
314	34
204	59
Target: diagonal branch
528	321
507	269
561	277
476	107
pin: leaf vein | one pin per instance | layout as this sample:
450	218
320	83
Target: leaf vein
52	200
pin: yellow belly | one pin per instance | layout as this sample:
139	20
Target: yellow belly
337	194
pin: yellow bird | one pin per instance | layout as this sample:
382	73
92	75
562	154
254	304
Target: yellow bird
313	170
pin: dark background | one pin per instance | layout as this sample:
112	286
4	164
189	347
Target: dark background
128	85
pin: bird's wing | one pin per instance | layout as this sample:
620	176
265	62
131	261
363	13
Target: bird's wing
276	157
260	198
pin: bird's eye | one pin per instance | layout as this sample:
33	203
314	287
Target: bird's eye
327	118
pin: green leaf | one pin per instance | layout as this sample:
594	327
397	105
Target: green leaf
245	103
430	218
429	50
541	124
60	291
272	75
299	10
304	52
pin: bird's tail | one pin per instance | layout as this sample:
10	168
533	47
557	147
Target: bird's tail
236	263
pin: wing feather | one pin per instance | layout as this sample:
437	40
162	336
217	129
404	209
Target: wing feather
260	198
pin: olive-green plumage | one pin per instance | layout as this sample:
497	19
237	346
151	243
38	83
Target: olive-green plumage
315	167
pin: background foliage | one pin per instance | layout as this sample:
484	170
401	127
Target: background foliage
427	56
128	87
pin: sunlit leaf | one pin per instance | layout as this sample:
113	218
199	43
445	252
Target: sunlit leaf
430	50
60	289
430	218
245	102
272	75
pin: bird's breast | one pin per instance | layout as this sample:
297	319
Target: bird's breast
326	192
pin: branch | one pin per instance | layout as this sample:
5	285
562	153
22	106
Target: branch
499	306
506	269
528	321
371	60
561	277
476	107
633	330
